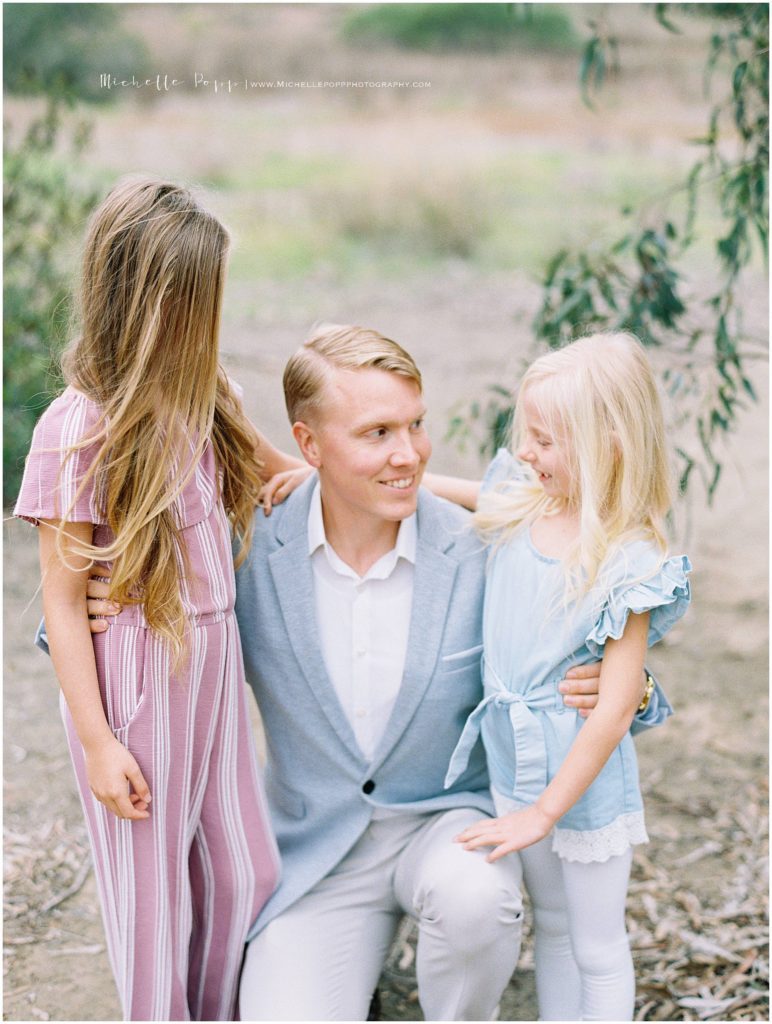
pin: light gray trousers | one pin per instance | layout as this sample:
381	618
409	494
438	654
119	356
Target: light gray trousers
322	958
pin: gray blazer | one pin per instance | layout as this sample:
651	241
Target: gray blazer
321	790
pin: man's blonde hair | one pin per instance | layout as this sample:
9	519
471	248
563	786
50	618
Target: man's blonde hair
342	347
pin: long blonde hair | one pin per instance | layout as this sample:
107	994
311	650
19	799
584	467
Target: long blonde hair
147	354
599	400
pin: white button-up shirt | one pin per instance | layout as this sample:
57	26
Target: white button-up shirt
363	625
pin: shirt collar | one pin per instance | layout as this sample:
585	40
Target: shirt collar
407	539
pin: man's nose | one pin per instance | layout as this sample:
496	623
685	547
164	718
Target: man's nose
404	452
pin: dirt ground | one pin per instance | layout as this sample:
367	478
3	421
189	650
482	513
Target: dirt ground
697	908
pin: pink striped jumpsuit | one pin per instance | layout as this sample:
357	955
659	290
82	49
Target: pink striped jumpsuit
178	890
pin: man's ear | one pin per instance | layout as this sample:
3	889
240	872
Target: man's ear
306	440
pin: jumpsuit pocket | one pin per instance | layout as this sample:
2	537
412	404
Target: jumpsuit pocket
120	654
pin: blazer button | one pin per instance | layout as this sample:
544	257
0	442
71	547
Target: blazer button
368	787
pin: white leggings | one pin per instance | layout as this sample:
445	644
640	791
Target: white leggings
584	970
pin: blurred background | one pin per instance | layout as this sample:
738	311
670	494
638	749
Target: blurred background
477	181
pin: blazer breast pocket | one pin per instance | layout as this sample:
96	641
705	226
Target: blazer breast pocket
461	660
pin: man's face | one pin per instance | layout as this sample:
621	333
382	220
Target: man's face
371	444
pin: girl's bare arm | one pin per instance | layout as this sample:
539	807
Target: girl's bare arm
453	488
275	461
110	766
618	701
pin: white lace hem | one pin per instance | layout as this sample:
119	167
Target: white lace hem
600	843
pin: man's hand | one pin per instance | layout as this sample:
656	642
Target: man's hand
97	594
581	686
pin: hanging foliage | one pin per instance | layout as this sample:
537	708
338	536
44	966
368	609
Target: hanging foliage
636	283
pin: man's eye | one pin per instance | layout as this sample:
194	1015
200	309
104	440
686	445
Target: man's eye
378	432
417	424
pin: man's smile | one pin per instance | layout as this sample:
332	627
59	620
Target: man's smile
402	484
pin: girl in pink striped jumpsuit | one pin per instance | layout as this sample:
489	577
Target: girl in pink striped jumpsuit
145	465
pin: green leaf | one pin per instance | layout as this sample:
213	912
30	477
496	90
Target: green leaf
607	292
592	70
683	481
573	302
660	12
739	77
714	482
553	266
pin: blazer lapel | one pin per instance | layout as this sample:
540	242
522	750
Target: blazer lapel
293	578
434	576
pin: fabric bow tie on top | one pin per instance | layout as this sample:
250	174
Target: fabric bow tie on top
530	748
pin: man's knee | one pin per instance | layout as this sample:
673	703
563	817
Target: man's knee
473	905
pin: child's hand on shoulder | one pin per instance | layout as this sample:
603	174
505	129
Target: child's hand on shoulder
280	486
510	832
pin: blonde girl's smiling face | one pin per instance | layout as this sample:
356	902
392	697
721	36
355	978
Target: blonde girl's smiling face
544	449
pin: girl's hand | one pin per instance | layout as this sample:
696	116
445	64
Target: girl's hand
281	485
508	833
110	769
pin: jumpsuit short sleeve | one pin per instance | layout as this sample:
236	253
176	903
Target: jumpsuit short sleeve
54	471
665	594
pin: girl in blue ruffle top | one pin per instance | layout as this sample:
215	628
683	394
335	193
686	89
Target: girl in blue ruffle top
579	570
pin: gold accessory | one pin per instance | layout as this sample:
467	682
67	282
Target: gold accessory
647	692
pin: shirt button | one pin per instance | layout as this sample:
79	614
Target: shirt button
368	787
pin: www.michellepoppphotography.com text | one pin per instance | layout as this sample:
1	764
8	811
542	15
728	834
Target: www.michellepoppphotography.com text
199	82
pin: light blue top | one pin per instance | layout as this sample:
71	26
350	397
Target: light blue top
530	641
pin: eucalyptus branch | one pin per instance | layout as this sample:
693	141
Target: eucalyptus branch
636	283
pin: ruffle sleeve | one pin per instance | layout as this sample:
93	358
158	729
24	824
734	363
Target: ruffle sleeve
503	468
52	477
665	594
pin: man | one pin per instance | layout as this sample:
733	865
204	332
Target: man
360	612
360	616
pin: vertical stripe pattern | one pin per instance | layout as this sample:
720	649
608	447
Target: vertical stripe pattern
179	890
